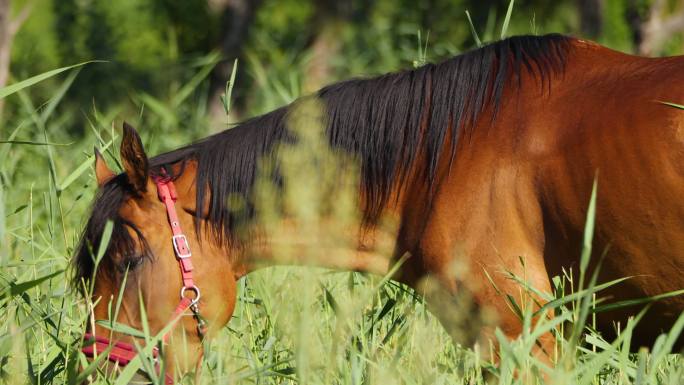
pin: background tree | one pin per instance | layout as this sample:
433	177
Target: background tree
9	26
591	17
664	21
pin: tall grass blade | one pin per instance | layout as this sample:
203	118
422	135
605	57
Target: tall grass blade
637	301
226	98
579	294
14	289
675	105
32	143
120	328
12	88
92	367
59	94
588	232
507	20
478	42
83	167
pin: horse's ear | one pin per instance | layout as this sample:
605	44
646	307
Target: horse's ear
134	159
102	172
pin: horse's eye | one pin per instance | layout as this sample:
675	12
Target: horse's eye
131	262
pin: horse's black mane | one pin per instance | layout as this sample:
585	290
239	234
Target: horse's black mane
386	122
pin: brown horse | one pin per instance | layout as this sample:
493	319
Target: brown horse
482	159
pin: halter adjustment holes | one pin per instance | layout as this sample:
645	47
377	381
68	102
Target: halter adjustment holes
194	289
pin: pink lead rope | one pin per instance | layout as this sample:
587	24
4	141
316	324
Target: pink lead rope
123	353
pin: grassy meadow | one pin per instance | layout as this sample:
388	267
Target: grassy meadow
292	325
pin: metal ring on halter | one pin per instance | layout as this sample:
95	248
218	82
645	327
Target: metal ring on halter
193	288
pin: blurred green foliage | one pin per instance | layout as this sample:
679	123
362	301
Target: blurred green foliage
150	45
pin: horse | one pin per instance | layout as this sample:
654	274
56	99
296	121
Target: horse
493	153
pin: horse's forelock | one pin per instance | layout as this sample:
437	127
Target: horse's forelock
105	208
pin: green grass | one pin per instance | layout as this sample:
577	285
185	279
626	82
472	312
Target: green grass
292	324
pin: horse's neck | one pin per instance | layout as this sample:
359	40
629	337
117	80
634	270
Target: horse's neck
324	243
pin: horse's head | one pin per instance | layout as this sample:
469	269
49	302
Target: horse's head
143	270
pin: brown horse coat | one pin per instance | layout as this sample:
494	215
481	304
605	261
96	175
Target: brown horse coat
483	160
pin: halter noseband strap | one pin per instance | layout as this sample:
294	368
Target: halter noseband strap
122	353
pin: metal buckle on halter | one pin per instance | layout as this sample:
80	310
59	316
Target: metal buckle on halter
194	288
180	255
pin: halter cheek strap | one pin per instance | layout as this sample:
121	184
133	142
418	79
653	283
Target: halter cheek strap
167	194
122	353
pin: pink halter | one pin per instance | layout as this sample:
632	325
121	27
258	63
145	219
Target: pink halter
123	353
